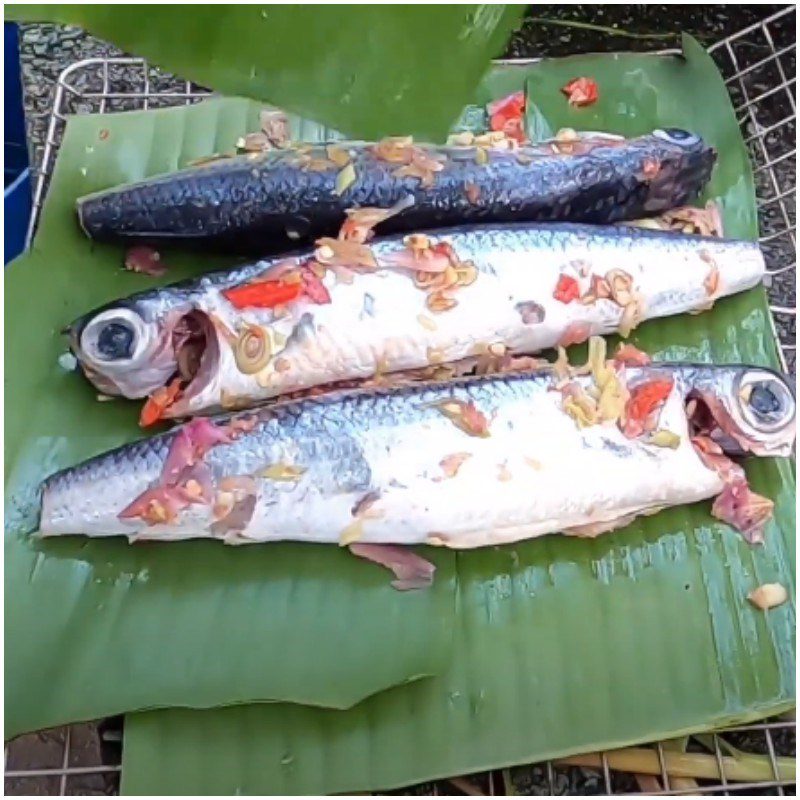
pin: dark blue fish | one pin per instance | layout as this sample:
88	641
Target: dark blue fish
267	202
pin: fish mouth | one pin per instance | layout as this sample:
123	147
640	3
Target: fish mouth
712	421
196	348
708	419
712	436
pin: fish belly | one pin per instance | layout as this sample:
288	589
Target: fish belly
393	468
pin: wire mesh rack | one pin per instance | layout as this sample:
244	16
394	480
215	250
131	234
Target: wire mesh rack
760	72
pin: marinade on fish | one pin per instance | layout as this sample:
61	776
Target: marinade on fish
461	464
265	203
351	311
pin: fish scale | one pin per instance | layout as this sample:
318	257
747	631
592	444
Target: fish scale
528	469
267	202
380	320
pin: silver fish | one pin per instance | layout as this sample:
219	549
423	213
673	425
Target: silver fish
414	302
461	464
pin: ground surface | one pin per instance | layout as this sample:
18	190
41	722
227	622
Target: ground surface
46	50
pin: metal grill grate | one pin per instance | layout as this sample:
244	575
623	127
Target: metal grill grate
762	78
762	82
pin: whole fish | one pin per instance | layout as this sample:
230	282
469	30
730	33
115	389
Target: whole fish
349	311
268	202
461	464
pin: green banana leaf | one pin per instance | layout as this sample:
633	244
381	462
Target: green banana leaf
561	645
95	628
367	70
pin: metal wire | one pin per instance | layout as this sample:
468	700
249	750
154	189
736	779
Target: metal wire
88	85
756	121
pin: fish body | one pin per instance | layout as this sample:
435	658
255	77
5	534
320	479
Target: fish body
277	200
527	287
461	464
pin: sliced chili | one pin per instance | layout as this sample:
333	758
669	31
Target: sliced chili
507	115
581	91
266	294
158	402
646	398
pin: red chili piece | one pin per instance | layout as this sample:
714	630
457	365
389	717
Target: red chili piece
507	115
266	294
567	289
581	91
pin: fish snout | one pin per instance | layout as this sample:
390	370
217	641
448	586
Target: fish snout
747	409
120	352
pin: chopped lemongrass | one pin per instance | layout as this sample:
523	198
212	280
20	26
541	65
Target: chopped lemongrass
665	438
283	472
503	473
345	179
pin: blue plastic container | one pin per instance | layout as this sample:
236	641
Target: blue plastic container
17	176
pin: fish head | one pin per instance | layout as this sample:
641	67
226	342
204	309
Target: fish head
743	409
125	348
673	162
680	148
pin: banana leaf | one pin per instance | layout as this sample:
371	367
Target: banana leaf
368	70
95	628
561	645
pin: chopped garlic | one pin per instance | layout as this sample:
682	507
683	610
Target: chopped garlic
67	362
352	533
769	595
426	322
463	139
561	366
567	135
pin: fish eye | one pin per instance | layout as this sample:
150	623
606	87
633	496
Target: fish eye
766	401
115	335
677	136
116	340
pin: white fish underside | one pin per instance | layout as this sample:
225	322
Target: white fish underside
379	322
536	473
